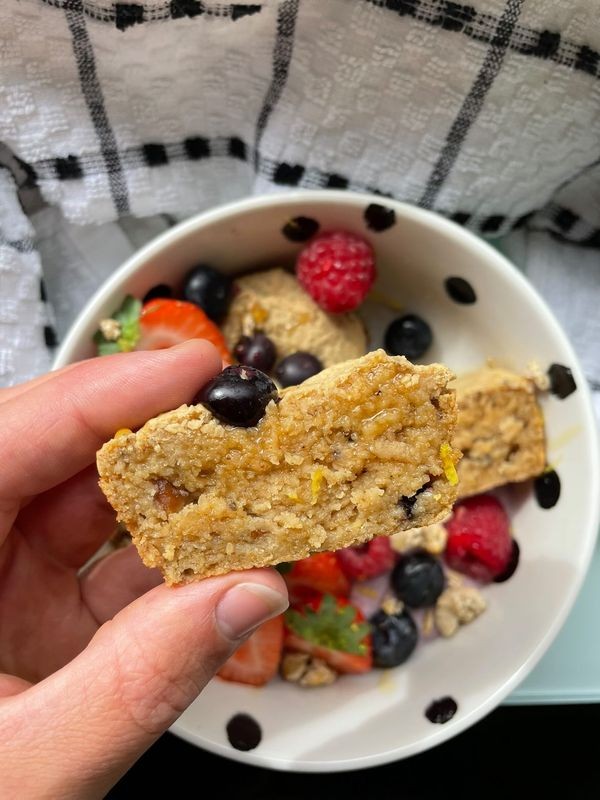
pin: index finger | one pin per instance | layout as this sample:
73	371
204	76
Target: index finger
54	430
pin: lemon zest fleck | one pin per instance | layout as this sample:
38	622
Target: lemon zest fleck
447	456
316	481
293	496
122	432
259	314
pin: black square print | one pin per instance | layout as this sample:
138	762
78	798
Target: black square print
68	168
155	154
289	174
197	147
128	14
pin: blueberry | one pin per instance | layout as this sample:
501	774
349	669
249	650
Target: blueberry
209	289
160	290
408	336
297	368
238	395
394	638
256	351
418	579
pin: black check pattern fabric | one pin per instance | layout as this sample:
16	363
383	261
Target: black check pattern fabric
486	112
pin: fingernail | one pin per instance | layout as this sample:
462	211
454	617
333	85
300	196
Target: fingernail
245	606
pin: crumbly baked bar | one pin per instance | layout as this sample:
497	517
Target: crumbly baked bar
273	301
500	430
357	451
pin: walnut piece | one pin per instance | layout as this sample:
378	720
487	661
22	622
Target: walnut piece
307	671
431	538
110	329
457	606
171	498
427	623
392	605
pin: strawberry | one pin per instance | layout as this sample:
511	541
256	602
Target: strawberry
367	560
257	660
479	541
329	628
165	322
320	572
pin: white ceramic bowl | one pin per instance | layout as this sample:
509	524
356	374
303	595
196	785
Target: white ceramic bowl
379	717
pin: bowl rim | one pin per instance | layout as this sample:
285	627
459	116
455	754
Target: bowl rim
499	264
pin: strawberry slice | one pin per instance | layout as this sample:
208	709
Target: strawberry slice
320	573
165	322
257	660
330	628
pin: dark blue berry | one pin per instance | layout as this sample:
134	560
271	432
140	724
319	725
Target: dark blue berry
408	336
256	351
408	503
238	395
418	579
297	368
209	289
160	290
394	638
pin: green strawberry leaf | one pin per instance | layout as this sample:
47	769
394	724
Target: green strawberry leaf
331	626
283	568
128	317
105	348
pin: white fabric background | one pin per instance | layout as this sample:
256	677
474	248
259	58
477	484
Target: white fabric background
380	94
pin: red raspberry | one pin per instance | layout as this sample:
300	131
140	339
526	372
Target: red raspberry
479	540
337	269
368	560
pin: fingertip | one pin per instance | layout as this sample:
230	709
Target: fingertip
198	347
197	358
217	586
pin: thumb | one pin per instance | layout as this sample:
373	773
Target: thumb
89	721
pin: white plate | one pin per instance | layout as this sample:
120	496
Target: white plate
379	717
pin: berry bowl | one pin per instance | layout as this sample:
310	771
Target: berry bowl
476	306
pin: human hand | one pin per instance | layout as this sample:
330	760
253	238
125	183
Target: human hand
97	665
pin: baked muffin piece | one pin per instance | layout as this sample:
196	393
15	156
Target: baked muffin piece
357	451
500	430
273	301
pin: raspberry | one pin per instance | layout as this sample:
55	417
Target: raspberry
479	541
367	560
337	269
